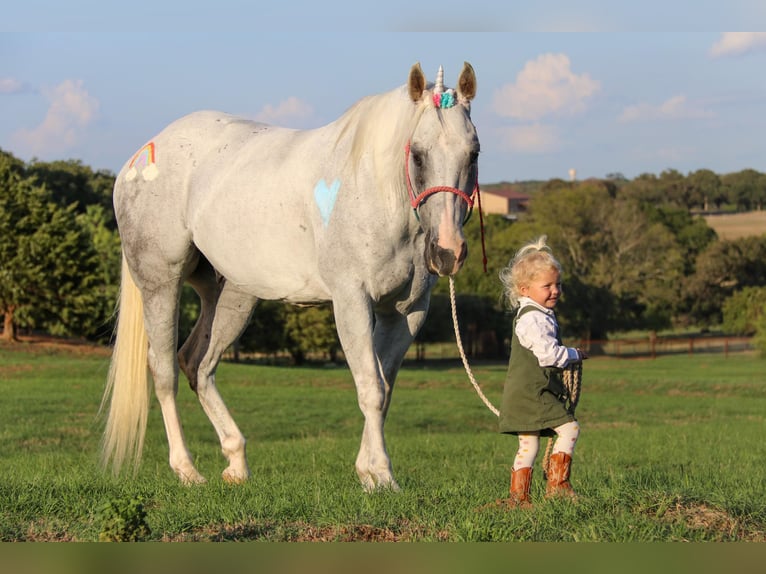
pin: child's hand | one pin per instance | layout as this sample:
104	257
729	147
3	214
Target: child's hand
583	355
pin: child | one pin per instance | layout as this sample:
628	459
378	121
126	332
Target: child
534	397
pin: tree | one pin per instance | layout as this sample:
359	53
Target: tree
608	246
704	189
11	178
645	189
47	263
692	233
620	257
96	222
266	331
746	189
311	330
743	310
723	268
500	239
483	328
760	335
616	177
674	188
72	182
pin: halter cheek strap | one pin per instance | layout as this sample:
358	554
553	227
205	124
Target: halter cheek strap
417	200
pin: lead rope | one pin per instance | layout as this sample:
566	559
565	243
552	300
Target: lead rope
476	386
572	379
571	376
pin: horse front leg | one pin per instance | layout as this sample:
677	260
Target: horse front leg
393	336
353	319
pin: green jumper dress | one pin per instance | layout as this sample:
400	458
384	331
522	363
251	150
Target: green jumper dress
534	398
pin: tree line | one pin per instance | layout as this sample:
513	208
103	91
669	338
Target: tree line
634	252
702	190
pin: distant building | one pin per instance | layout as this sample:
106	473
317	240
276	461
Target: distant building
504	199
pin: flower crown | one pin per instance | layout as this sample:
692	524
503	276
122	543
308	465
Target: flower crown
445	99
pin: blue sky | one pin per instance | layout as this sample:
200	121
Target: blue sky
574	91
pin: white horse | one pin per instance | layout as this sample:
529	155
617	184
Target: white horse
244	211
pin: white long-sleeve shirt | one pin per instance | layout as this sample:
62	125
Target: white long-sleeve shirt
537	332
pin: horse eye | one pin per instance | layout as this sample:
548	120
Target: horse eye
417	159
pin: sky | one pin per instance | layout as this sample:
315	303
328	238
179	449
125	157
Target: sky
561	92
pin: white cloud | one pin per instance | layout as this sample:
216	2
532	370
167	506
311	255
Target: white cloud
533	138
286	112
675	108
735	43
71	110
11	86
546	86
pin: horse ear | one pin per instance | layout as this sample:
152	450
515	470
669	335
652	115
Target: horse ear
466	84
416	82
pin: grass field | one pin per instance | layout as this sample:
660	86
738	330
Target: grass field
736	225
671	450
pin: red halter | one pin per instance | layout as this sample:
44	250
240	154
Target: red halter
416	201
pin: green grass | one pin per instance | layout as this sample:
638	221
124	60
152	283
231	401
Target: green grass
670	450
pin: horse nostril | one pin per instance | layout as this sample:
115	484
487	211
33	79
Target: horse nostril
463	253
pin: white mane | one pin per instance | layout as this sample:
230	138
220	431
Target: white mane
380	127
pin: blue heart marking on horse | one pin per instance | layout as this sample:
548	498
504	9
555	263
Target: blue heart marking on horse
325	198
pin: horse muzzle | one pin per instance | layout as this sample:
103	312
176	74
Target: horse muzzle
444	261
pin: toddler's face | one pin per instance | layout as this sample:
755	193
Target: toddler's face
544	288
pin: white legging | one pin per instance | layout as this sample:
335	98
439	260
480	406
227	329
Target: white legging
529	444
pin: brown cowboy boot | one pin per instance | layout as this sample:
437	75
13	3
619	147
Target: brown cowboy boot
521	480
558	476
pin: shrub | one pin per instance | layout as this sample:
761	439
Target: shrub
123	520
742	311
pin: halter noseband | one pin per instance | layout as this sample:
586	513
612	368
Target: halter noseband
417	200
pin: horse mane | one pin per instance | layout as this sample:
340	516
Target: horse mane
379	127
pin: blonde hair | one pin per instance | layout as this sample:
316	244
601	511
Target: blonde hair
530	260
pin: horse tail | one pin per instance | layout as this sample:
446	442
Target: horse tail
128	383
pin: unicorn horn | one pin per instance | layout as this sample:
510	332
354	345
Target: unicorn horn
439	84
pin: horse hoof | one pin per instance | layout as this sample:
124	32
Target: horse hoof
381	486
231	477
192	479
393	486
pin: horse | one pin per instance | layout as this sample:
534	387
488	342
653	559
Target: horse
366	212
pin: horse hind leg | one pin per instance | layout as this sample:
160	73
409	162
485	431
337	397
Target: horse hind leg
160	304
207	285
224	314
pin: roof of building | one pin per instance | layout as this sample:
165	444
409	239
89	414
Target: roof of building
507	191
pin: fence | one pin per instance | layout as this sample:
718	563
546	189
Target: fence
653	346
646	347
626	348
